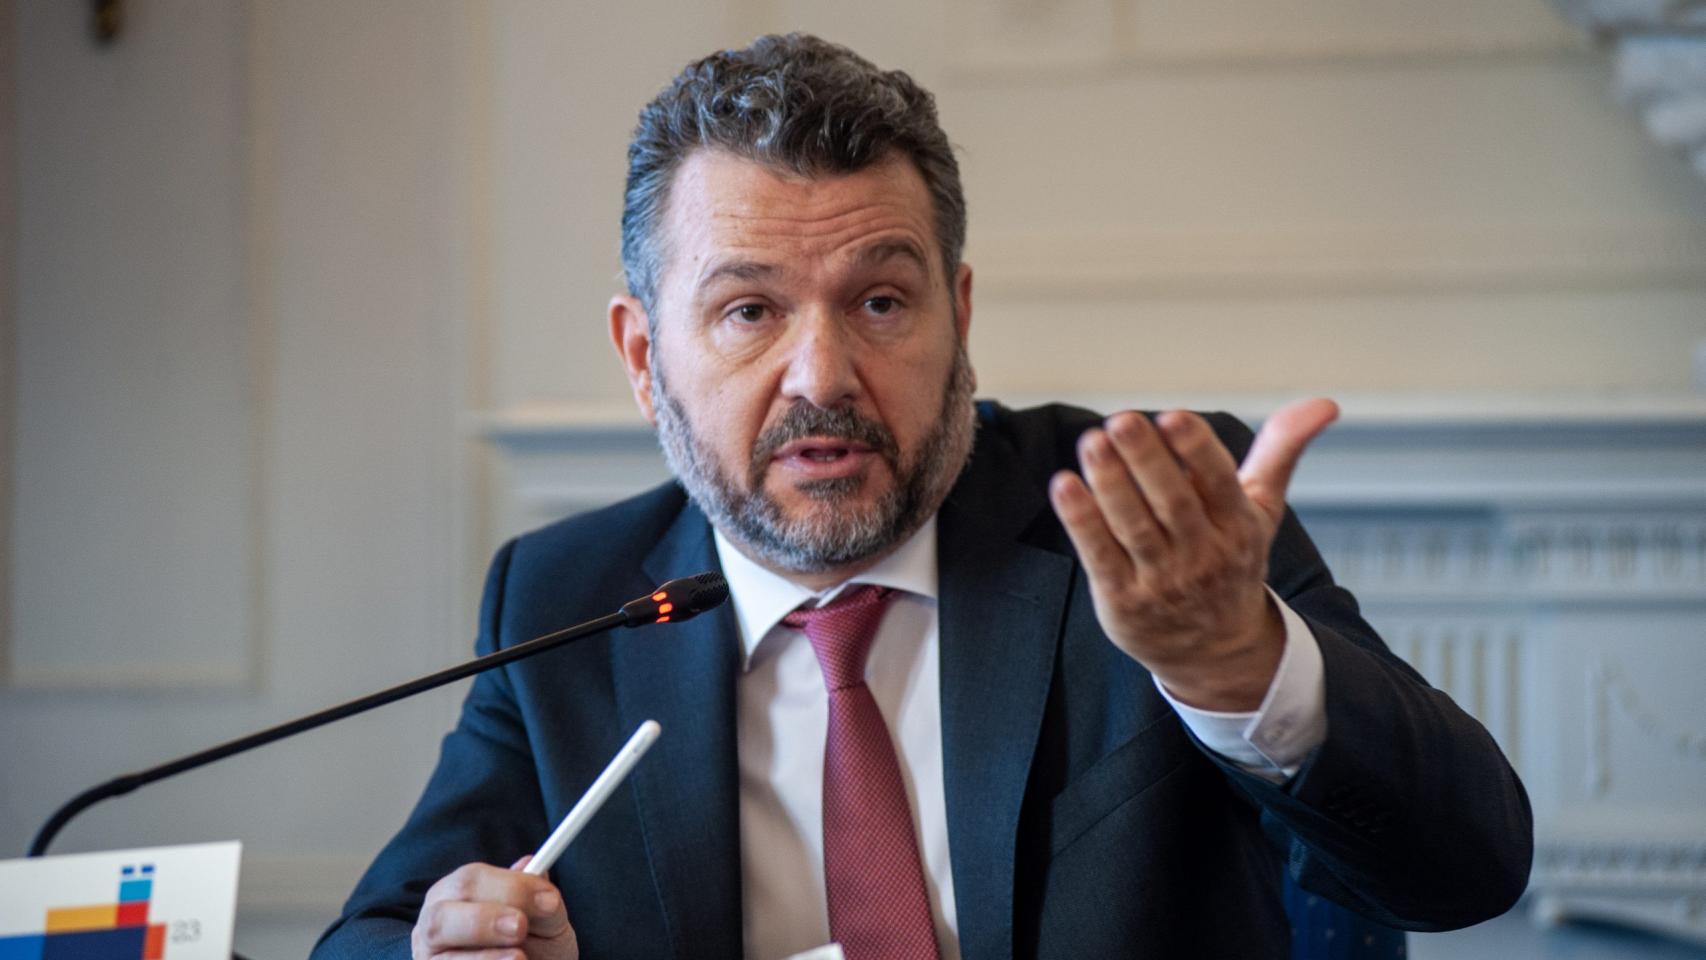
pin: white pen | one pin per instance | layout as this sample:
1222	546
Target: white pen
594	798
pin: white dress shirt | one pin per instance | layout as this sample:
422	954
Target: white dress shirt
782	717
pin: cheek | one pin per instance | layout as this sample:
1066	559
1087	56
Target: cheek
911	398
733	413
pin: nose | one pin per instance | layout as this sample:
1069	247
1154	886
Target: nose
821	367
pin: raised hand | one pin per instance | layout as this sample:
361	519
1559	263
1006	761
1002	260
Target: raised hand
486	912
1174	537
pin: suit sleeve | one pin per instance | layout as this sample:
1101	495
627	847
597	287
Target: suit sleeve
482	804
1408	812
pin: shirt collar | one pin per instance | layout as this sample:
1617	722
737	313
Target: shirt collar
762	598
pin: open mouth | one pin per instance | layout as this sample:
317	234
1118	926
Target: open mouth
821	448
823	455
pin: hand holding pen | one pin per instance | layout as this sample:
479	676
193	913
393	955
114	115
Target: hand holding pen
480	910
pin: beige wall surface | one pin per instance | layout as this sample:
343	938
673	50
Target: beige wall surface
1211	197
388	222
242	230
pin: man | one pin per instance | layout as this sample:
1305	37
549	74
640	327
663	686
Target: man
992	683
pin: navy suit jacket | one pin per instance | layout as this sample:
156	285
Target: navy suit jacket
1083	819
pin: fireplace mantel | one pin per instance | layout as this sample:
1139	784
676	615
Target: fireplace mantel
1541	558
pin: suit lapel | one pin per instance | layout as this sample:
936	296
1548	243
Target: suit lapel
1001	611
682	676
1002	604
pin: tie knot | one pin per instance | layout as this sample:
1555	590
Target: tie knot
841	632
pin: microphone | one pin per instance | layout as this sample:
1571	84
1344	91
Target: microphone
678	600
672	602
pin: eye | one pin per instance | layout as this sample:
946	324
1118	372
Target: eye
749	313
882	306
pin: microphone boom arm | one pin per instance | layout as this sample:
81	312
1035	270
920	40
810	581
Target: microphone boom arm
690	596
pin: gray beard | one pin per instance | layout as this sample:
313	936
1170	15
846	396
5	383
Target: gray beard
838	534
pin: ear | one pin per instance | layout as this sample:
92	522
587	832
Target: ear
962	300
630	332
962	312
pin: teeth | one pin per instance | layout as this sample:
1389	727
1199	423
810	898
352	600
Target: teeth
823	456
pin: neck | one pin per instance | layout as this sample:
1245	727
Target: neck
814	580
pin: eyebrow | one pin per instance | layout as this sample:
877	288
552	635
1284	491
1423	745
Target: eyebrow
748	270
751	270
890	249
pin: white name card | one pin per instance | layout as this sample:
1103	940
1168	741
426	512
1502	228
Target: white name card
156	903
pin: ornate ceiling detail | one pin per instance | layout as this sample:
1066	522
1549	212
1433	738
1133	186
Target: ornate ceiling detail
1659	52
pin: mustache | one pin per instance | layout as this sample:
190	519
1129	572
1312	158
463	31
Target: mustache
805	419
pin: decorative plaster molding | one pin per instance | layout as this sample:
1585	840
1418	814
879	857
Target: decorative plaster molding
1473	529
1654	885
1659	52
1610	691
1475	658
1687	744
1621	863
1519	555
555	423
1596	765
1473	452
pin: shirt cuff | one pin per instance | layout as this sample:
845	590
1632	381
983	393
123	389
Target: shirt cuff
1272	741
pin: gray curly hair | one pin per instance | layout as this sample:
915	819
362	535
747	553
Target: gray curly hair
794	103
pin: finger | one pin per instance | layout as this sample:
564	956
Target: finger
1122	507
1210	465
546	915
484	883
492	953
1171	497
1104	558
1273	457
460	924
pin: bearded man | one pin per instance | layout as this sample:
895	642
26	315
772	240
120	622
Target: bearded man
993	683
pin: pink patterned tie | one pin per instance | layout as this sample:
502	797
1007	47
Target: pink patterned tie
878	908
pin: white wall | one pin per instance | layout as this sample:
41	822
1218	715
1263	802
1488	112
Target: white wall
240	374
1224	196
276	260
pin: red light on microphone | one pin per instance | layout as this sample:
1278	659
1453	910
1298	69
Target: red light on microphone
676	600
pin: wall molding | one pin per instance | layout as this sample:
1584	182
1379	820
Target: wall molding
169	461
1313	261
1475	657
1653	885
1489	539
8	313
1613	698
1521	555
169	678
1619	863
1069	36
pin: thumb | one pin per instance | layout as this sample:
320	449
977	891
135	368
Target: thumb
1268	467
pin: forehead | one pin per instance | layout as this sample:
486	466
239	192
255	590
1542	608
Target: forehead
721	205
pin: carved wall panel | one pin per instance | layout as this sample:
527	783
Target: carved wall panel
1552	579
1543	563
